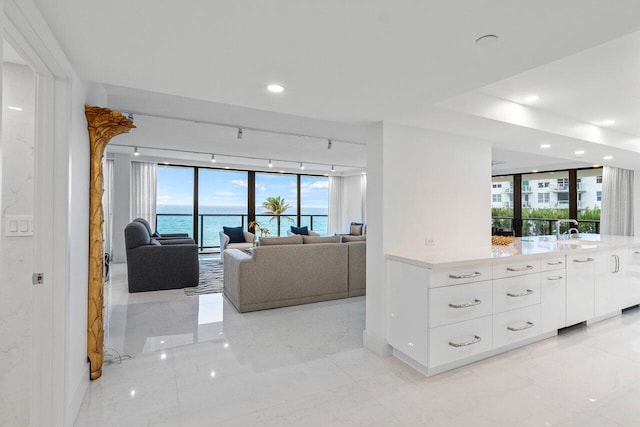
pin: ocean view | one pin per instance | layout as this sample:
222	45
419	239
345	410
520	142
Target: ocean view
179	219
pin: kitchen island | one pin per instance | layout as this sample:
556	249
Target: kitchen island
450	308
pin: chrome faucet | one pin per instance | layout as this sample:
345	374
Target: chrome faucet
573	230
560	221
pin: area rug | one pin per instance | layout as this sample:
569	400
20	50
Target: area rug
211	282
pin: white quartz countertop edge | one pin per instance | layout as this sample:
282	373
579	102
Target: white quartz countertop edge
521	250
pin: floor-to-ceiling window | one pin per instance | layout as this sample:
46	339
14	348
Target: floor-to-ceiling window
218	197
276	201
174	211
222	201
589	189
533	207
502	203
314	203
548	202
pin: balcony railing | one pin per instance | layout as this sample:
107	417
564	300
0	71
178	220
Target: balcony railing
210	225
543	226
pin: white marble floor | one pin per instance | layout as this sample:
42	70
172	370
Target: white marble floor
195	361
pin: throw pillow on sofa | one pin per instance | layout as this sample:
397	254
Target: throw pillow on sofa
356	229
300	230
236	234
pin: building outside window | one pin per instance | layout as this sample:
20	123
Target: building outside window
589	199
502	203
548	203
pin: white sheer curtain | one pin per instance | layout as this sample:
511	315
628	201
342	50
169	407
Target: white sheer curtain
616	216
334	221
107	205
143	191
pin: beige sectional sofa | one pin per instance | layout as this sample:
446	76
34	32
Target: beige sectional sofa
280	275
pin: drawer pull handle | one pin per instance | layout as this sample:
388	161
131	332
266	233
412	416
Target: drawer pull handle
465	304
526	326
465	276
520	294
476	339
583	260
555	278
555	263
523	268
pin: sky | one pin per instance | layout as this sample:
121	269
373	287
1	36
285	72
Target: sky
229	188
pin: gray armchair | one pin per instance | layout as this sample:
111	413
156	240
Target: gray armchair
153	267
167	238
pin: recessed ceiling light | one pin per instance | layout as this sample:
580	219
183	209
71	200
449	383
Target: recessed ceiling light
579	153
535	171
545	146
597	166
275	88
486	40
608	157
532	98
608	122
11	107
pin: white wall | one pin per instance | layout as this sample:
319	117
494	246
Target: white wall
636	203
121	203
422	184
77	367
16	253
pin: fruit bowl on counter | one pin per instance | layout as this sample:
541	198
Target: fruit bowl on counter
502	240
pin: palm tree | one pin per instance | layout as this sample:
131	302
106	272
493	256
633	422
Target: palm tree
276	206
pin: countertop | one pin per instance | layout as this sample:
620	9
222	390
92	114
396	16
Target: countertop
523	248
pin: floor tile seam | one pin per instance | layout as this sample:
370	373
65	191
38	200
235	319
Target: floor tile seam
578	403
302	398
600	414
175	383
606	351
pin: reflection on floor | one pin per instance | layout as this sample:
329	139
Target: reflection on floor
197	362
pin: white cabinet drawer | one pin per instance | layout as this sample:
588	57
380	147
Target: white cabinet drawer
509	269
452	304
548	264
515	292
459	340
553	299
516	325
459	275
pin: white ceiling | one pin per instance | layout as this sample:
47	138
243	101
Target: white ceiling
346	64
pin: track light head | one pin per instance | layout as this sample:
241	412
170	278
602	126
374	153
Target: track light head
213	158
270	163
301	166
329	144
333	168
135	151
240	133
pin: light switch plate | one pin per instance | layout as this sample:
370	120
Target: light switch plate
19	225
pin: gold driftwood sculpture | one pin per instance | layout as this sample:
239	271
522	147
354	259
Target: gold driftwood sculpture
103	125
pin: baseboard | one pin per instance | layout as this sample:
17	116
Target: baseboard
77	397
376	344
